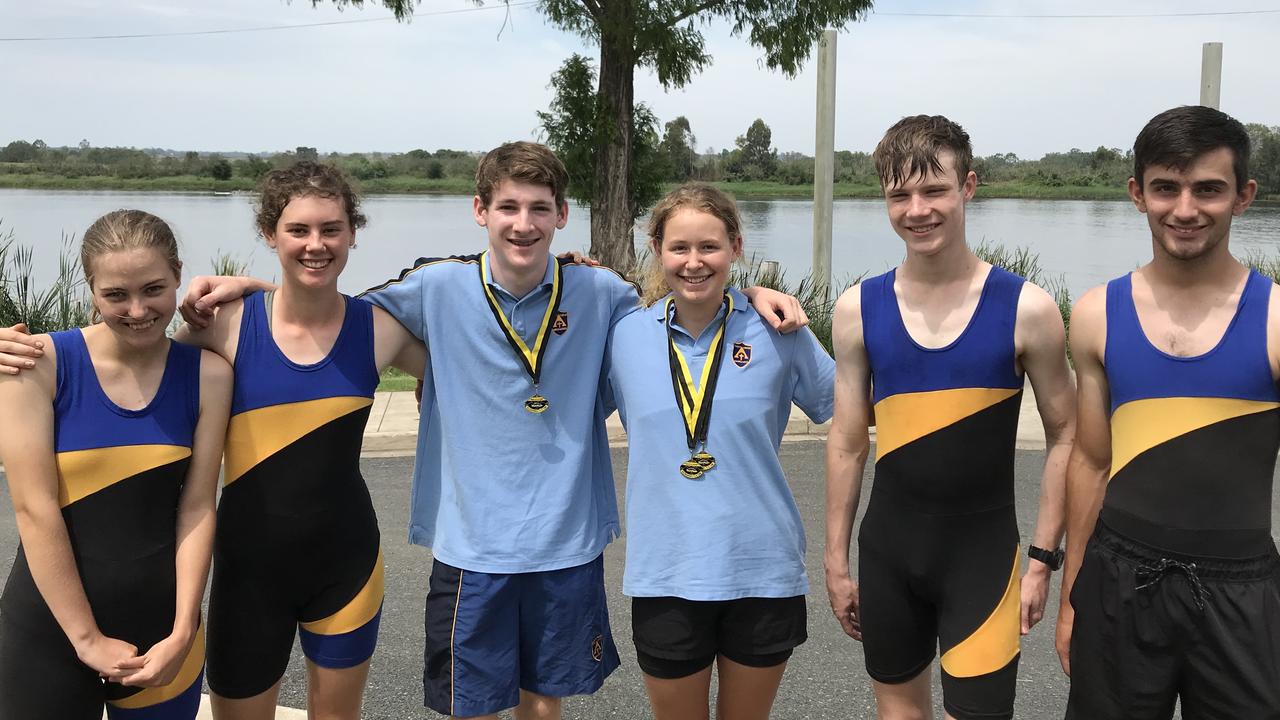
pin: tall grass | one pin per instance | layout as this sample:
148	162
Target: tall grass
1022	261
1265	264
63	304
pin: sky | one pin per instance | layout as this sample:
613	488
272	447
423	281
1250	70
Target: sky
469	78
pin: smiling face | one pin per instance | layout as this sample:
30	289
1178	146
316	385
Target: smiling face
927	210
521	218
1189	211
696	255
136	293
312	239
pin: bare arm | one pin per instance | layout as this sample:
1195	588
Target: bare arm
781	311
26	447
207	293
221	335
395	346
1090	459
1041	340
847	448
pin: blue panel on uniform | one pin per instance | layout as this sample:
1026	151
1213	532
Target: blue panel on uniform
180	707
343	650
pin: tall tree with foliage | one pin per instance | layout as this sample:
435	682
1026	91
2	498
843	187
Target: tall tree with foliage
679	150
575	125
665	36
755	158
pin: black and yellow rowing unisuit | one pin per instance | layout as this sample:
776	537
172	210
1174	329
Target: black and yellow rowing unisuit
1193	439
120	477
938	555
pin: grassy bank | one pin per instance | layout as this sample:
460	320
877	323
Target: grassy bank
407	185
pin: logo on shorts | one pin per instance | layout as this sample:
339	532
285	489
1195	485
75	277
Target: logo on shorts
560	325
597	648
741	354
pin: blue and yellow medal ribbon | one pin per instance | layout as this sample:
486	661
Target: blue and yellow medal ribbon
695	400
530	358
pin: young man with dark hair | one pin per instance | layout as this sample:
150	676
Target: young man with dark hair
936	352
1176	594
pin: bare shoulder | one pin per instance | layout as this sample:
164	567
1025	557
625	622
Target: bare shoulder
214	368
42	378
1089	324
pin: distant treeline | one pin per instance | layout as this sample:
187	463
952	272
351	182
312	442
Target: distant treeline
753	165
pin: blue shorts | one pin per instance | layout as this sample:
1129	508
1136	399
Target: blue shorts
491	635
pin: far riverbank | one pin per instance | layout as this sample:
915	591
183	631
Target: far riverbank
405	185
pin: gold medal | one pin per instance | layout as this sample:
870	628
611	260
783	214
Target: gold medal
536	404
691	469
705	460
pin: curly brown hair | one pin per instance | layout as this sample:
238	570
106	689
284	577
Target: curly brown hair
304	178
523	161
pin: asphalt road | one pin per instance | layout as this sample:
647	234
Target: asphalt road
825	678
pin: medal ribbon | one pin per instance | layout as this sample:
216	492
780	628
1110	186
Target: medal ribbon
531	359
695	401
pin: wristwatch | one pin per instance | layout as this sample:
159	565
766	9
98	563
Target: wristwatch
1052	558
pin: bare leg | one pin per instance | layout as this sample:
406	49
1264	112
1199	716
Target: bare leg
746	693
911	700
259	707
335	694
537	707
680	699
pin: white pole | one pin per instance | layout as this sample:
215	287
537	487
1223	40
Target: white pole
824	162
1211	75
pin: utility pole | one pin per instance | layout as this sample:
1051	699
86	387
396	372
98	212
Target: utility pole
824	163
1211	75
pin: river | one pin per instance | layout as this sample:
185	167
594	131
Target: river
1086	242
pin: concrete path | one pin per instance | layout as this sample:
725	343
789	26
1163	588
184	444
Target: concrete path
393	426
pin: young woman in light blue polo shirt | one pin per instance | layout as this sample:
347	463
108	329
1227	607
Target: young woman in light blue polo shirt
715	549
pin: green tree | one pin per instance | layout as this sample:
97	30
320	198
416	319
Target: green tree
755	158
18	151
307	153
678	150
575	124
664	36
1264	164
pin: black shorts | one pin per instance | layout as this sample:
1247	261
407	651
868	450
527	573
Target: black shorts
1152	627
676	637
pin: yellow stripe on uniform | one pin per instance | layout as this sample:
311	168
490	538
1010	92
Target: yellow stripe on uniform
82	473
907	417
187	675
256	435
358	612
1139	425
995	642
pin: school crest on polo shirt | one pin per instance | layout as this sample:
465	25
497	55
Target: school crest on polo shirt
560	325
741	354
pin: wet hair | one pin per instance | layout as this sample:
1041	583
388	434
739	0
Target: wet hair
121	230
522	161
1178	137
304	178
696	196
911	148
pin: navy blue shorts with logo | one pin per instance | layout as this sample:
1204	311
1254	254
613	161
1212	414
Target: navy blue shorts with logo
1153	627
491	635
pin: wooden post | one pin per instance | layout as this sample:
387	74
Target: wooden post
824	163
1211	75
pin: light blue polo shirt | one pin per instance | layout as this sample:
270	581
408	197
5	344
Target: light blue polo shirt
498	489
736	532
